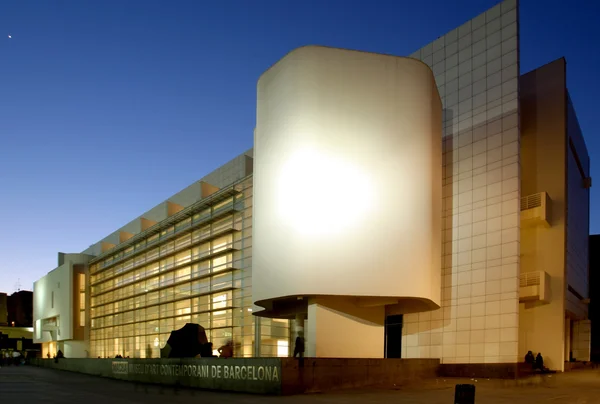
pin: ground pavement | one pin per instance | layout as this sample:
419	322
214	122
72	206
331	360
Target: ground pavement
26	384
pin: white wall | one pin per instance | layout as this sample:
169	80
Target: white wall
76	349
476	68
58	282
339	329
347	177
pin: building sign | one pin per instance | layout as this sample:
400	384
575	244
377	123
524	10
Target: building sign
237	372
258	375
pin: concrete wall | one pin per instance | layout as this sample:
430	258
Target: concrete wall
347	183
321	375
339	329
476	68
263	376
543	154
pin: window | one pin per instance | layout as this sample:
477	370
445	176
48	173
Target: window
182	274
221	263
222	224
81	282
221	301
183	257
182	307
221	281
52	300
221	243
184	223
183	241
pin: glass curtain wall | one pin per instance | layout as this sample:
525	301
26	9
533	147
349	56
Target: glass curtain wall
196	270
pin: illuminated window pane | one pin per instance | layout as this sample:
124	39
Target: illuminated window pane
152	254
221	263
182	274
167	294
221	300
181	321
221	243
152	312
200	286
183	257
151	298
183	307
201	303
167	263
221	281
200	269
221	318
201	318
166	279
282	348
182	291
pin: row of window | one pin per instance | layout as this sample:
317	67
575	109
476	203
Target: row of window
169	248
148	346
167	232
199	287
196	270
182	307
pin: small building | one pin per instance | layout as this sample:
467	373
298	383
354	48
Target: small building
59	308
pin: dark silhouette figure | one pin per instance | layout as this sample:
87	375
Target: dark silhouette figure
539	362
226	351
529	358
299	349
299	346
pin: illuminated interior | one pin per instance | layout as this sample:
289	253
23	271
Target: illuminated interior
196	270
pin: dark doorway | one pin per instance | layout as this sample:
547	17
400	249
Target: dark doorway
393	336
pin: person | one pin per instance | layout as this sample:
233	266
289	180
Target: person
148	351
299	346
529	358
226	351
48	355
539	362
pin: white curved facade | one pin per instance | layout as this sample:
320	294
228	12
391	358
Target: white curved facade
347	179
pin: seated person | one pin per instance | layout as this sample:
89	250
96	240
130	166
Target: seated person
539	362
529	358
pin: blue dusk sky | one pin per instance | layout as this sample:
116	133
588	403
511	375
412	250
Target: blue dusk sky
108	107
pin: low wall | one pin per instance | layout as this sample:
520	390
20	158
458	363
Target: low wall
249	375
323	374
484	370
256	375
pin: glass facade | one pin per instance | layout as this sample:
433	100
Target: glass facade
195	266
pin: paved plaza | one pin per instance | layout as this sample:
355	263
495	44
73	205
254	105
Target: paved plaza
27	384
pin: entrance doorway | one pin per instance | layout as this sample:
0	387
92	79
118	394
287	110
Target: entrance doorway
393	336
